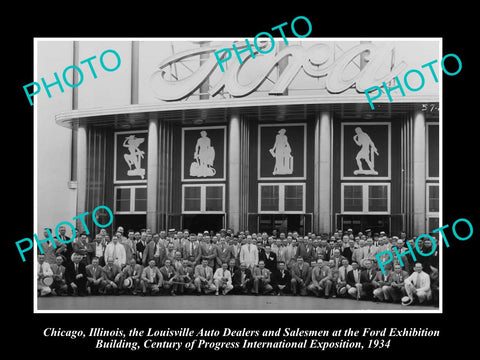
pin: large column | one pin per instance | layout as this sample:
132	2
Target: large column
419	200
81	172
322	179
152	174
234	172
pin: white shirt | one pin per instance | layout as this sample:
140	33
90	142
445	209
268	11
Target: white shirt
45	268
219	274
117	253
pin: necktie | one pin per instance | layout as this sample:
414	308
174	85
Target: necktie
115	251
94	273
191	249
223	275
76	268
248	247
41	270
417	281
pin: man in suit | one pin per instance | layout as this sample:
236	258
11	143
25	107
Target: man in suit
369	251
186	275
130	246
249	254
301	277
261	279
76	276
132	271
359	253
417	285
323	250
223	279
396	289
59	286
116	251
381	282
321	279
353	281
342	285
49	250
43	271
224	252
406	259
80	246
204	278
154	251
96	283
141	245
336	258
208	252
111	276
98	247
281	279
151	279
232	267
169	275
236	248
367	277
242	280
67	250
269	258
170	252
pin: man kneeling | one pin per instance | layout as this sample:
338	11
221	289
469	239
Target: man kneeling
223	279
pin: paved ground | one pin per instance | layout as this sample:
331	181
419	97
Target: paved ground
212	302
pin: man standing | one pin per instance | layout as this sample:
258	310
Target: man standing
116	251
224	252
99	249
76	276
249	254
417	285
223	279
269	258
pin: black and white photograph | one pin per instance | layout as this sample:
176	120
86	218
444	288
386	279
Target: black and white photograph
226	197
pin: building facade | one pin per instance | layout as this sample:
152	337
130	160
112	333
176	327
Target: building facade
283	141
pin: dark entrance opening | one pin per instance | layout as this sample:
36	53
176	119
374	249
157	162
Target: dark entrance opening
282	223
358	223
134	222
201	222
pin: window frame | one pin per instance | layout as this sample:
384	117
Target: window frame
132	210
365	198
281	198
203	199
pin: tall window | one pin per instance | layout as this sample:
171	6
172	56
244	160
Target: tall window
433	206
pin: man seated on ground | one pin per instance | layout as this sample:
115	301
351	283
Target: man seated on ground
321	279
367	277
380	282
261	279
186	275
95	282
76	276
59	286
417	286
301	277
223	279
151	279
353	281
342	285
44	272
232	266
335	282
242	280
131	277
111	276
170	280
204	278
281	279
396	290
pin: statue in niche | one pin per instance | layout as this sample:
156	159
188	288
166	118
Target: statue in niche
367	153
135	155
281	151
204	156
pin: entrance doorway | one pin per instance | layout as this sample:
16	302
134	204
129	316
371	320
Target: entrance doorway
134	222
282	223
201	222
358	223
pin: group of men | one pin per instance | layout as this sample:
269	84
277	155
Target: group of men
180	262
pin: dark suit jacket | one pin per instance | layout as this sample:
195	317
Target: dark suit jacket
224	255
347	252
351	278
270	261
98	272
277	278
237	277
70	274
367	276
305	274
